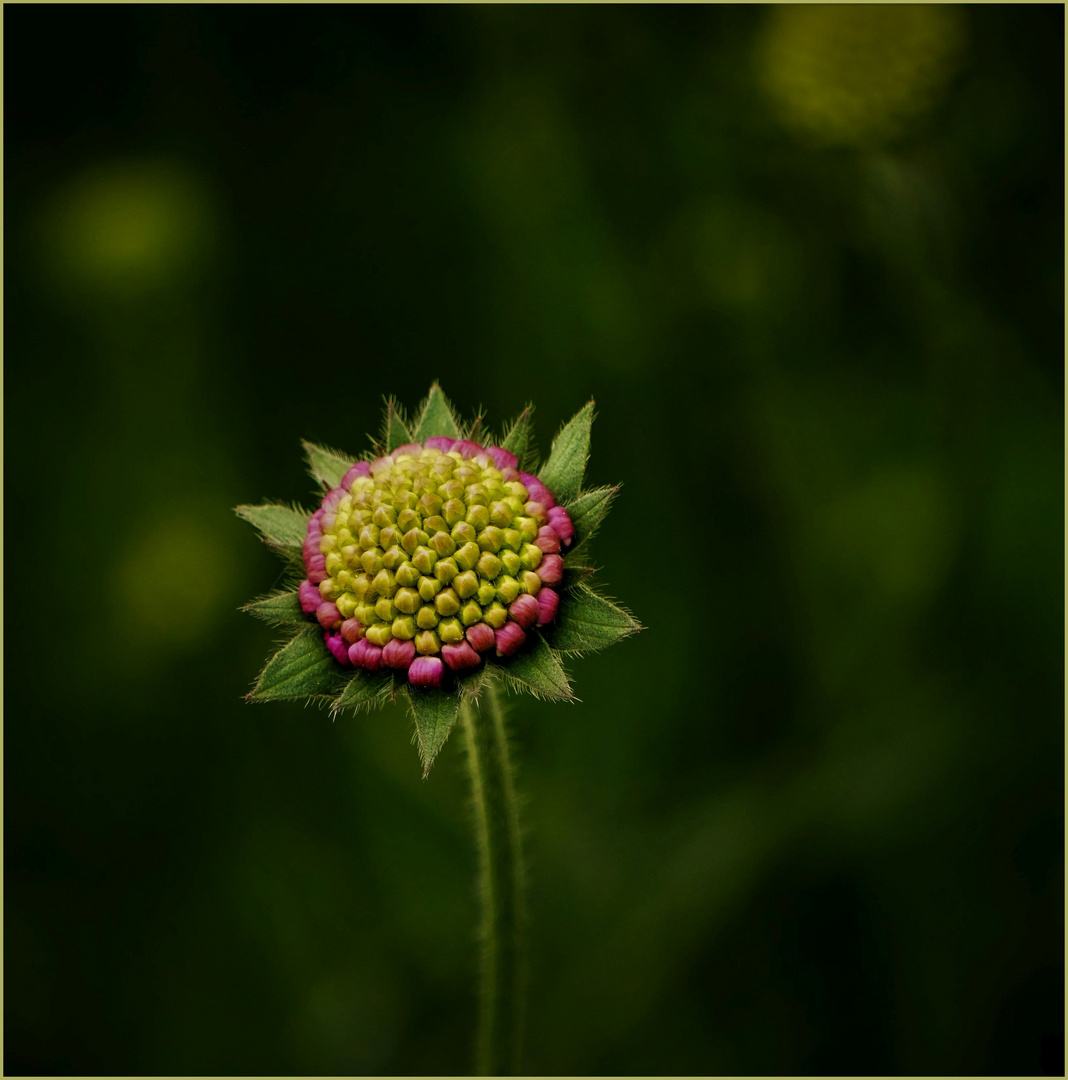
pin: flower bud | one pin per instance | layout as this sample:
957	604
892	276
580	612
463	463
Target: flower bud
478	517
403	627
551	570
310	597
496	615
350	631
446	570
481	637
465	584
530	582
439	442
385	609
365	655
447	602
537	491
547	540
411	449
427	643
454	511
524	610
338	649
531	556
509	638
428	588
489	566
328	615
384	583
407	575
510	562
466	448
398	654
460	657
426	618
407	601
491	539
379	634
507	589
450	631
426	671
487	591
548	604
560	520
503	459
467	556
443	544
471	614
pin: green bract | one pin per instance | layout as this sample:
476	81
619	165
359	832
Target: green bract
420	545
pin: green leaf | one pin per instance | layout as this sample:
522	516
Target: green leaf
396	430
435	712
301	668
281	526
562	473
281	609
326	465
539	671
363	691
436	418
588	622
520	438
588	510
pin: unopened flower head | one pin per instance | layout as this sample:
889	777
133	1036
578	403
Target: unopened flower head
435	563
433	558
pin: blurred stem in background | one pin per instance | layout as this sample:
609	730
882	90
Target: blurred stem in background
500	1021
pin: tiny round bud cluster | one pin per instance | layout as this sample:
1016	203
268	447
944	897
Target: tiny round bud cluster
433	557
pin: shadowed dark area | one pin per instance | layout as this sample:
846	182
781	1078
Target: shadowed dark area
809	262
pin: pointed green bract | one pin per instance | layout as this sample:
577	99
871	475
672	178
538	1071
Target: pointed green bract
588	622
301	668
562	474
363	691
326	465
280	609
520	438
396	430
437	418
589	510
281	526
435	714
539	671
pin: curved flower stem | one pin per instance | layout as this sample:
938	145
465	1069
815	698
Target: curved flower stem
500	1021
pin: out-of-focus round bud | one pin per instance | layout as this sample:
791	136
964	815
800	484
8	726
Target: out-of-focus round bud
460	657
509	638
426	672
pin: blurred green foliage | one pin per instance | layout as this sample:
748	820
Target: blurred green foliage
809	261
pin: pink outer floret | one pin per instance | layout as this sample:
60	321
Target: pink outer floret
440	442
460	656
547	540
337	647
524	610
365	655
466	448
310	599
328	615
503	459
316	567
398	654
509	638
548	605
351	631
412	448
361	468
560	520
551	570
426	671
537	490
481	637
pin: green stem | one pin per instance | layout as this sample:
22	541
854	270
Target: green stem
500	1021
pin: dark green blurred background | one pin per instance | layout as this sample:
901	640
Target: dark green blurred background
809	261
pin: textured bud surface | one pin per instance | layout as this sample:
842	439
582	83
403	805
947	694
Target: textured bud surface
426	558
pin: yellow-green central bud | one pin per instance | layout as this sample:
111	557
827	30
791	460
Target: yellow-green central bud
430	542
